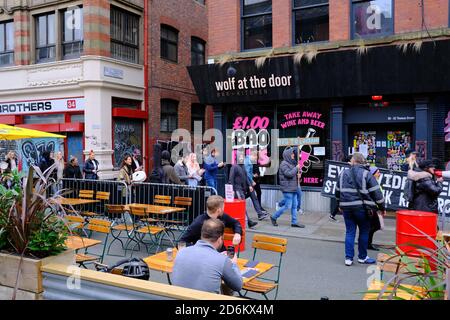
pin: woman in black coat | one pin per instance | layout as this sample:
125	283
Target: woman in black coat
91	167
426	187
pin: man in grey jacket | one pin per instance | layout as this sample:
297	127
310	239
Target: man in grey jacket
288	174
181	170
201	267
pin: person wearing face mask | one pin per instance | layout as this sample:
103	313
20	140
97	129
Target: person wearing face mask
91	167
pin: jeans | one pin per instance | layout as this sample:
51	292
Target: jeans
211	182
299	199
290	201
356	218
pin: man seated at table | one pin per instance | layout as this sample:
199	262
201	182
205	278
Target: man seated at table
214	209
202	267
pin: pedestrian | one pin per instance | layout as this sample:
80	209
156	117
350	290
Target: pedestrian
136	165
288	176
60	164
334	203
238	179
410	161
126	170
359	196
214	210
181	170
212	166
73	170
46	161
375	224
202	267
194	170
249	163
426	187
169	174
257	186
12	162
91	167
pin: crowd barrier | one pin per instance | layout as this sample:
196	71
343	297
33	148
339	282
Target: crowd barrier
120	193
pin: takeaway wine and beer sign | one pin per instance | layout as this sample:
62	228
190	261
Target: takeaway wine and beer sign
42	106
392	183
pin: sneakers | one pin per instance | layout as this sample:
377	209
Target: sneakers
300	211
263	216
348	262
297	225
274	222
251	224
333	218
367	260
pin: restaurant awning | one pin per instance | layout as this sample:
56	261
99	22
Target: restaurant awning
16	133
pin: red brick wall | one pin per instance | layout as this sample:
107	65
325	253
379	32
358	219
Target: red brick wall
282	23
224	26
408	15
96	22
22	37
339	20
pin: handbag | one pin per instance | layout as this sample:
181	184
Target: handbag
370	212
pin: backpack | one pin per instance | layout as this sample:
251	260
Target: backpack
409	191
157	175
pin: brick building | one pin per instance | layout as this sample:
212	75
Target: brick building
80	68
357	75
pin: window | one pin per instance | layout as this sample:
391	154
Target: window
77	117
256	24
197	51
126	103
124	35
44	119
169	115
201	1
72	33
198	113
311	21
6	43
45	38
372	18
169	43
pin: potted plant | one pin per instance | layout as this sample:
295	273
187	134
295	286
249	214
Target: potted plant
32	233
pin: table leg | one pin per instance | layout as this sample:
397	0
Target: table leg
168	278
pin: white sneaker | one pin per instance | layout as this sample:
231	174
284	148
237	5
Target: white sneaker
277	207
348	262
300	211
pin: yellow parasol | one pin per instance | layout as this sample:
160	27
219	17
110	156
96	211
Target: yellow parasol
16	133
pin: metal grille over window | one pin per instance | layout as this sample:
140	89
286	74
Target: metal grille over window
124	35
311	21
169	115
45	38
256	24
169	43
6	43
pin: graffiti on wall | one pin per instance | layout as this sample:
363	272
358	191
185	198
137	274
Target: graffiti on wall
127	138
31	150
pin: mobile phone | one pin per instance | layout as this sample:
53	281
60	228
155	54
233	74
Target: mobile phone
230	252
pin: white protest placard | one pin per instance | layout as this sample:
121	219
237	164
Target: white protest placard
229	192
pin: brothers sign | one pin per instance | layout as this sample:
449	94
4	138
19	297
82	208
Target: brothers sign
392	183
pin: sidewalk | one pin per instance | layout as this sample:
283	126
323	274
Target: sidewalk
318	227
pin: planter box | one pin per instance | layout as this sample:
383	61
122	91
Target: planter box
30	281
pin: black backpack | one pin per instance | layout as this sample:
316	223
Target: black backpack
157	175
409	191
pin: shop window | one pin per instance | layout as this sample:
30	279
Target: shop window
124	35
372	18
198	113
72	33
197	51
311	21
169	43
169	115
128	135
256	24
44	119
6	43
45	38
126	103
77	118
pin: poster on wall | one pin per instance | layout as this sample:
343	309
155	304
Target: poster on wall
365	142
391	182
397	143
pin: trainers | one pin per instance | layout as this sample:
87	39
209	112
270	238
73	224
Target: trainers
367	260
251	224
274	222
297	225
300	211
348	262
333	218
263	216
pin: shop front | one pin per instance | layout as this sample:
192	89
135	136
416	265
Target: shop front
338	104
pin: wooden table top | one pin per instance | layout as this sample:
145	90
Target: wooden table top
76	242
75	201
159	262
401	293
154	209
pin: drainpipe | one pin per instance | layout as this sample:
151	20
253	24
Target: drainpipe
146	86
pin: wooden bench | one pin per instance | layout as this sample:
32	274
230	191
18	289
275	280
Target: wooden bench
377	286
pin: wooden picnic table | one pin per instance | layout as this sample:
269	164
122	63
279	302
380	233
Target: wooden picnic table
154	209
77	242
75	201
159	262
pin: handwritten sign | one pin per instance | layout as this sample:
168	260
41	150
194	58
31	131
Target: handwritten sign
283	142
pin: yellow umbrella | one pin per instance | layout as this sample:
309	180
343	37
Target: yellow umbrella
16	133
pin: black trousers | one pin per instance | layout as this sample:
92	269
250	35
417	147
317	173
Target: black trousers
258	192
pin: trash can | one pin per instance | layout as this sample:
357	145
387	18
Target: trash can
236	209
407	235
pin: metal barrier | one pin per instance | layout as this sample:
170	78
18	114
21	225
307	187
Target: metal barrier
146	192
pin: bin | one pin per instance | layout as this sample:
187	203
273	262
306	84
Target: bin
236	209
